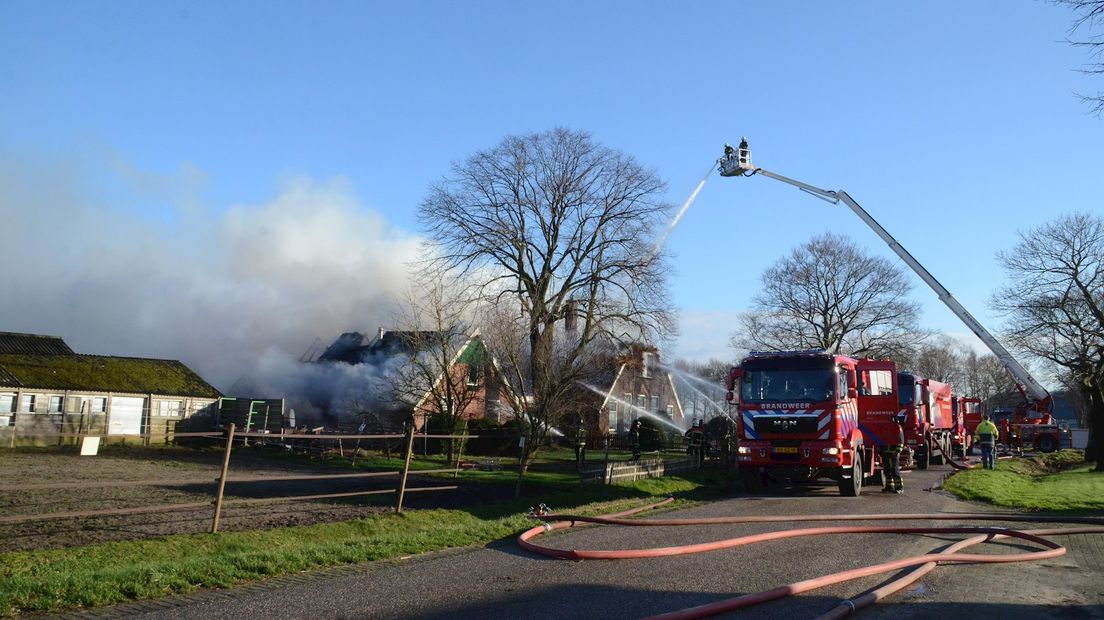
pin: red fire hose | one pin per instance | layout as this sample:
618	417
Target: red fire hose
923	563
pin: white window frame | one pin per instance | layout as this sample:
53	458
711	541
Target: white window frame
28	403
646	360
56	404
7	402
166	410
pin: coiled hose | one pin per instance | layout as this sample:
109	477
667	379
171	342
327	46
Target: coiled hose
922	563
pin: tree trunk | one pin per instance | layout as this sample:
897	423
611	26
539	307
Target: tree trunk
523	466
1095	395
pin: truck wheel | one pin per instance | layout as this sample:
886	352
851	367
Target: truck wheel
852	487
933	443
1046	443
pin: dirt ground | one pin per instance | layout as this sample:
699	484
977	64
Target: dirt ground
200	469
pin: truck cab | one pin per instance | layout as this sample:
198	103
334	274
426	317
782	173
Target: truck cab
804	415
929	410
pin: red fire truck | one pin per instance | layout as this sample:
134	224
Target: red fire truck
929	409
1033	414
968	412
804	415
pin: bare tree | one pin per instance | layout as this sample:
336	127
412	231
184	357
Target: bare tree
506	335
828	294
560	228
1090	15
985	377
1055	305
939	358
446	359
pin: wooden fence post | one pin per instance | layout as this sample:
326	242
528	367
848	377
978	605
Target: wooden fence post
406	467
222	478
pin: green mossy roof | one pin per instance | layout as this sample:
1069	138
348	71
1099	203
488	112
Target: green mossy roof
474	354
104	374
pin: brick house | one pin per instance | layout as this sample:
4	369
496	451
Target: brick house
48	389
638	387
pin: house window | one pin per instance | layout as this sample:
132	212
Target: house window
646	371
671	411
655	404
642	401
169	408
612	423
7	403
473	376
55	404
27	403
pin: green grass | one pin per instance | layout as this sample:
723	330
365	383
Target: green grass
1057	482
108	573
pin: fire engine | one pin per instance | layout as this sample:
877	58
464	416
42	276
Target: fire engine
804	415
928	407
968	412
1033	415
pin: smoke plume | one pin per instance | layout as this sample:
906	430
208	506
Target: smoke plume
127	262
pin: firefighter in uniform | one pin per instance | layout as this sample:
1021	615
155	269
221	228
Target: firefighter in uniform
634	439
985	435
697	443
580	445
891	459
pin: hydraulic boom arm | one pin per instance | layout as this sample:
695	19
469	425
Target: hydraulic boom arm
738	163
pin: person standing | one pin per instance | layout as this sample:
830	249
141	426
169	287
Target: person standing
697	443
985	435
891	459
634	439
580	445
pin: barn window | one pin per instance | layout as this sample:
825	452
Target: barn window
169	408
7	403
55	404
27	403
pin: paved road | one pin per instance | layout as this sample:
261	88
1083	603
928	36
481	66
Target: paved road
501	581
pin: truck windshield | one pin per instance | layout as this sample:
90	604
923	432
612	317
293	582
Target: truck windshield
906	394
776	386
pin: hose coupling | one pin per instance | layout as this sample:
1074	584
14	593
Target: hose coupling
539	512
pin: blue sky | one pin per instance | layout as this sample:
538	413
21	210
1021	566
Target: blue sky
140	139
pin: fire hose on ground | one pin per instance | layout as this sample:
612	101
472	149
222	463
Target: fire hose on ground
922	564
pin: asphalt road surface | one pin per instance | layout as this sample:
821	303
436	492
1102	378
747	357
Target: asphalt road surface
502	581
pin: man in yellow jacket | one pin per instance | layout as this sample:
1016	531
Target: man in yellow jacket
985	435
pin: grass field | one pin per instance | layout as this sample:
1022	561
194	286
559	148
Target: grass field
1057	482
108	573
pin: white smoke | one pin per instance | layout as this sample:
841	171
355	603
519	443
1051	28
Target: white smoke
128	262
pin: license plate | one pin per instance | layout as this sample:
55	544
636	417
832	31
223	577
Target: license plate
785	450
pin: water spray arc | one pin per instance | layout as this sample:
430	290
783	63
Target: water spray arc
632	407
662	241
708	399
